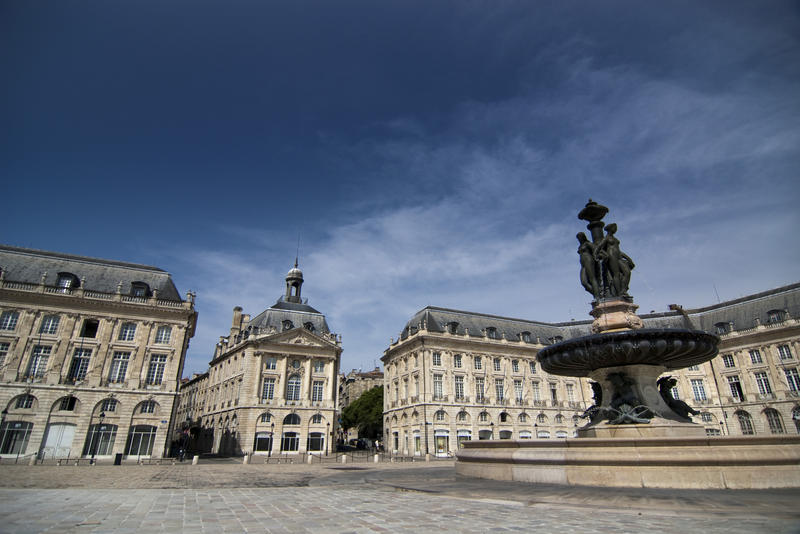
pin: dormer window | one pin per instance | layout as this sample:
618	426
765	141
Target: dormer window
776	316
722	328
452	327
491	332
140	289
67	282
309	326
287	325
525	337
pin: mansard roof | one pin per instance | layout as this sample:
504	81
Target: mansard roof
101	275
743	312
299	313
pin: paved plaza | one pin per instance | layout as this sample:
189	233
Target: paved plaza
420	497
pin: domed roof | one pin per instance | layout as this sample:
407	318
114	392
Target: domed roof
294	273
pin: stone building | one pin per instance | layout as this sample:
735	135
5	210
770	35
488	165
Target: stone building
272	383
454	375
355	383
91	352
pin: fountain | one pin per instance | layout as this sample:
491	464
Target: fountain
637	434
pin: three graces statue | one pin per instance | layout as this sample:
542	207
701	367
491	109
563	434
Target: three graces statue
605	269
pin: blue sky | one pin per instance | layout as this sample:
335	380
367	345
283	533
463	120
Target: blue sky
426	153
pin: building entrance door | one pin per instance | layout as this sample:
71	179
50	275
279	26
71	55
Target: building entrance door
58	440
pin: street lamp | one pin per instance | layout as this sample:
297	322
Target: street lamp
271	439
327	437
96	432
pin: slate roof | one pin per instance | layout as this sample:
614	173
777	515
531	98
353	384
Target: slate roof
297	312
742	312
27	265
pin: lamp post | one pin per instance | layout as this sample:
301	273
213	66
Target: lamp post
271	439
2	425
327	437
96	432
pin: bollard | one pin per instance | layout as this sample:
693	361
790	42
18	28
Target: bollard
375	459
310	458
344	458
428	457
32	461
246	459
195	459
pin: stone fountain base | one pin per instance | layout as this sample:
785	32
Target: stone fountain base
746	462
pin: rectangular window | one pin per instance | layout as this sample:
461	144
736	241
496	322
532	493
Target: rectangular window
163	334
515	366
793	379
532	366
496	364
736	388
316	391
571	392
479	389
784	352
478	363
755	356
319	366
535	391
498	389
89	328
457	361
155	372
80	364
119	367
554	392
271	363
268	390
127	331
437	387
698	390
416	386
728	361
693	368
38	362
8	320
49	324
459	387
518	390
3	353
437	358
763	384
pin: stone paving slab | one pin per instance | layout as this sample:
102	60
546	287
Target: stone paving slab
364	498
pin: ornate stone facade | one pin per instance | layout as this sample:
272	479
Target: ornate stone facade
271	386
90	355
432	383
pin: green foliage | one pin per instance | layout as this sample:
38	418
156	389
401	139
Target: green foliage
366	414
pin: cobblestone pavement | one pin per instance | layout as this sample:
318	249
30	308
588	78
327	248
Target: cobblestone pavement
359	499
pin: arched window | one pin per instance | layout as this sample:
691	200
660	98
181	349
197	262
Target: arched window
559	419
140	289
287	325
291	419
483	417
309	326
523	417
525	337
266	417
25	402
439	415
774	421
503	417
109	405
745	422
541	419
722	328
67	404
462	416
293	388
67	282
148	406
491	332
452	327
316	419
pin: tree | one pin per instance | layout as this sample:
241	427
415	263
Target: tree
366	414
